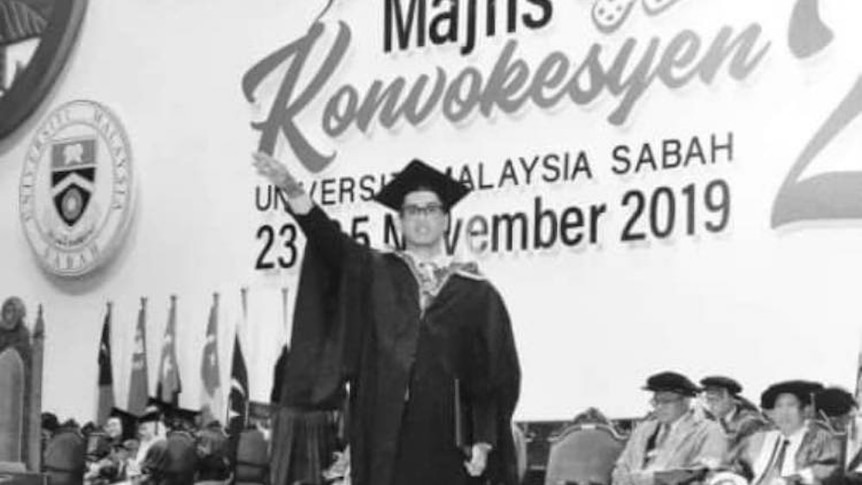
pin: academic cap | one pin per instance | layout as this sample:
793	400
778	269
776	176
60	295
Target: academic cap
834	401
182	414
154	411
669	381
803	391
172	412
723	382
417	174
127	419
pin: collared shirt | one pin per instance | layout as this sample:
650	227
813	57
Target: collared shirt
430	274
789	466
727	420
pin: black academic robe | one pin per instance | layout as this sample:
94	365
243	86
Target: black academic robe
358	320
172	461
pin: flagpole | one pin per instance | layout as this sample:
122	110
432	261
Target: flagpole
285	317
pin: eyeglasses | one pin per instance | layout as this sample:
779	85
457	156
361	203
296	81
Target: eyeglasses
411	210
665	401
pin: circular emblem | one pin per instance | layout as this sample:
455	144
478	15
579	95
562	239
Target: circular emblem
76	190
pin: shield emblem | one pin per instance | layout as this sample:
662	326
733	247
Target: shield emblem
36	37
73	177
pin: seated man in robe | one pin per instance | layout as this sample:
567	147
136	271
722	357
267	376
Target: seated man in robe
174	459
151	434
839	413
110	466
727	406
798	451
674	444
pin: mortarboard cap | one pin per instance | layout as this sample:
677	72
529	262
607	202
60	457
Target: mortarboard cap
182	414
154	411
671	382
417	174
127	419
834	401
803	391
723	382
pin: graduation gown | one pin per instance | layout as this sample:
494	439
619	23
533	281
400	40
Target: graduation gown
358	320
172	461
817	459
694	441
742	424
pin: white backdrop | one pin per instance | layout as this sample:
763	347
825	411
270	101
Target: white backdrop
591	322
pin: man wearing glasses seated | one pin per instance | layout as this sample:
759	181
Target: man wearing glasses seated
674	444
738	417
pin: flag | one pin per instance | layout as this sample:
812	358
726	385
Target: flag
106	376
855	436
169	387
139	381
211	394
238	397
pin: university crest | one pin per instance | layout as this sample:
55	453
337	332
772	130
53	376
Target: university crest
76	188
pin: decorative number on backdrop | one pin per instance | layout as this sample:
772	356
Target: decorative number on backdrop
832	195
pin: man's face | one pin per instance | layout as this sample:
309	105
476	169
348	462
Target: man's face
669	406
788	413
843	422
8	315
719	401
423	219
147	430
114	427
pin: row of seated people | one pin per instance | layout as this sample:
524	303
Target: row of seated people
164	446
802	435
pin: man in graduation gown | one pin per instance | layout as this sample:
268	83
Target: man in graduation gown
110	466
173	460
838	410
735	415
798	451
674	444
411	331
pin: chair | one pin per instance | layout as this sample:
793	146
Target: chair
21	396
585	452
65	457
252	458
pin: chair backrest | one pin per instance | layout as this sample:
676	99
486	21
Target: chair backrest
21	385
584	453
252	457
65	456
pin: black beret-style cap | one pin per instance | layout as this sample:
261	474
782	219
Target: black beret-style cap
188	415
803	390
834	401
154	411
128	419
158	407
723	382
418	174
671	382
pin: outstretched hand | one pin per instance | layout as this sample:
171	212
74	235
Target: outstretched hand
277	173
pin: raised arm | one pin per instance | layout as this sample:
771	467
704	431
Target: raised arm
321	232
